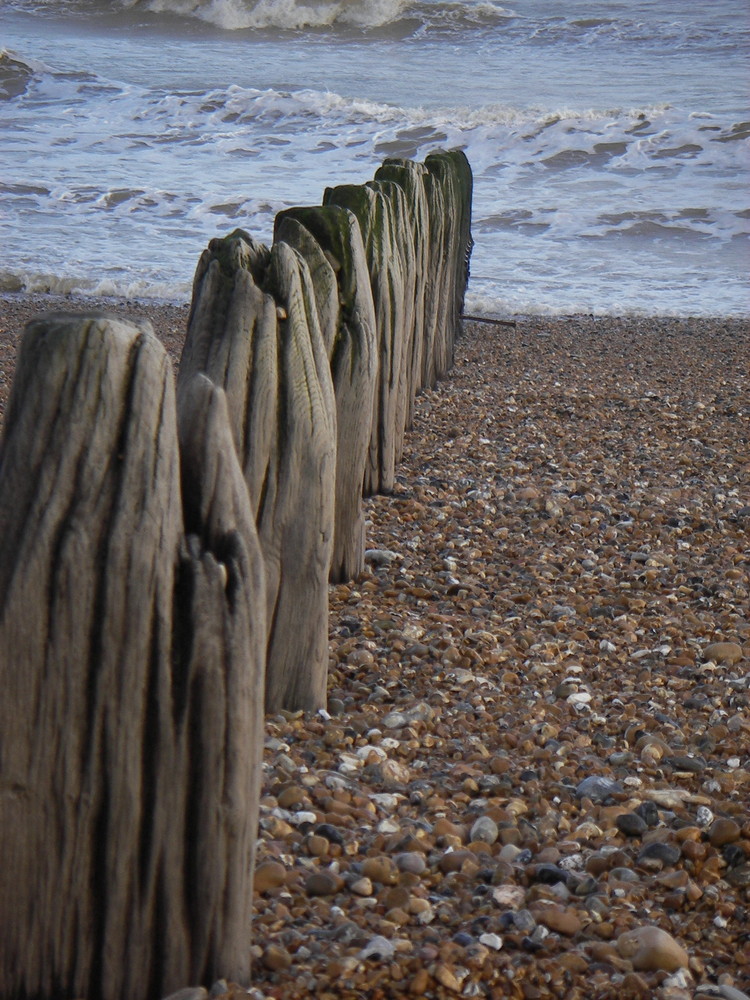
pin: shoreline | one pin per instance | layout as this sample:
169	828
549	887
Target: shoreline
532	750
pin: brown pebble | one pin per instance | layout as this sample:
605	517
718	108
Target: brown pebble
561	920
323	883
723	831
447	978
453	861
635	986
382	870
269	875
651	949
317	846
291	796
420	983
727	653
276	958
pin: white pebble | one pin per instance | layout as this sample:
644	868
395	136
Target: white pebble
491	941
704	817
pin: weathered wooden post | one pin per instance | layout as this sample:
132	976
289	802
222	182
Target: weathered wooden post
448	183
415	221
374	212
329	239
254	331
130	733
410	178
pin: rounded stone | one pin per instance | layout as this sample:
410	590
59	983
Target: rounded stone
291	796
723	831
411	861
561	920
624	875
317	846
667	854
631	824
493	941
652	949
649	812
269	875
380	869
323	883
485	829
704	817
361	887
276	958
598	788
727	653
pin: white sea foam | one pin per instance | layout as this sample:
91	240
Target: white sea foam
291	15
594	190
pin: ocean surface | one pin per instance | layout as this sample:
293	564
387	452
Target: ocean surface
609	139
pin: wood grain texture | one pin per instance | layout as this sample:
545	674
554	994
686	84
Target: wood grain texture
409	176
296	530
221	633
255	332
374	212
329	240
416	229
126	841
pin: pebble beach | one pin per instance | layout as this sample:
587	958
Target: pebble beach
532	779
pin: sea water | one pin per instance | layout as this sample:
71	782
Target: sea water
609	139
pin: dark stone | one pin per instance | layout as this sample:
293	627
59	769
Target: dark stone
668	854
330	832
648	812
739	876
548	874
529	944
464	939
684	763
631	824
733	855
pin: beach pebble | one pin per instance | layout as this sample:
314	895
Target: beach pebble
667	854
631	824
323	883
704	817
598	788
412	862
650	949
493	941
723	831
380	557
559	919
485	830
378	947
727	653
275	958
269	875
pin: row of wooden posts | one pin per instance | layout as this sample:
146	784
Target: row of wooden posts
165	554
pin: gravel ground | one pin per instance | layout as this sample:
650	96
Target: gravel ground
533	777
